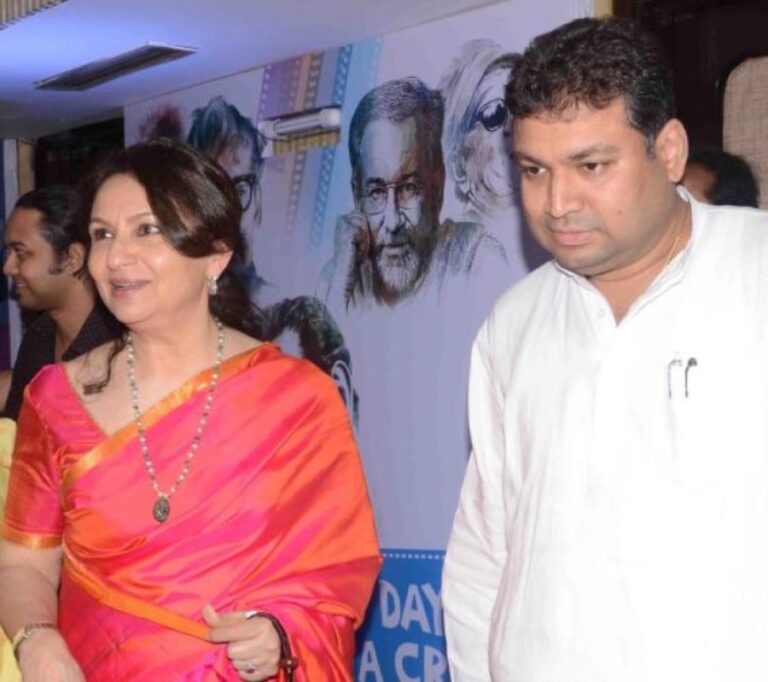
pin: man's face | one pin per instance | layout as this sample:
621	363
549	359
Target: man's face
38	279
236	161
395	192
592	195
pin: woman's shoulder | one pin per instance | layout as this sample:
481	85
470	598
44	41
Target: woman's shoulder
267	358
49	389
45	381
73	371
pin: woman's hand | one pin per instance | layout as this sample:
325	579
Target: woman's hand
253	645
44	657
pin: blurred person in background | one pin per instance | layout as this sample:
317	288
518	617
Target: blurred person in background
45	259
717	177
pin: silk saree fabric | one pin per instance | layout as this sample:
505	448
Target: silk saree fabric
274	515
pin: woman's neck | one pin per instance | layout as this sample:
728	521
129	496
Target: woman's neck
177	350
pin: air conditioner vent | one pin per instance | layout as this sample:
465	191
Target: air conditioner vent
103	70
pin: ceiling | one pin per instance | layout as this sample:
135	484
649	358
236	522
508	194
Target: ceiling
231	36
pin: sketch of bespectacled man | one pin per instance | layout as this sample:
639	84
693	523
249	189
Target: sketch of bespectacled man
231	139
393	242
302	325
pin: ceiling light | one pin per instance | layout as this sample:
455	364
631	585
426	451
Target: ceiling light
103	70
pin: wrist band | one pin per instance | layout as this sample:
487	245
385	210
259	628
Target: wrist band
25	633
288	662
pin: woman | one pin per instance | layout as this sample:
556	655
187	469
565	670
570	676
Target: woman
194	496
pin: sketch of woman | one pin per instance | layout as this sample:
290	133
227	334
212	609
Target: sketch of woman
476	128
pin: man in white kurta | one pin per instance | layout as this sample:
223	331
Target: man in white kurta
613	523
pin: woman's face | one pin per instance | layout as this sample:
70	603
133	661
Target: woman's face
141	278
488	168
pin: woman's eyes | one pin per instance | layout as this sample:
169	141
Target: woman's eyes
143	230
147	229
99	233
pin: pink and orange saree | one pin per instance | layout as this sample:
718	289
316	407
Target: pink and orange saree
274	516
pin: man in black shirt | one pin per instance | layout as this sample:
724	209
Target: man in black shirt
46	262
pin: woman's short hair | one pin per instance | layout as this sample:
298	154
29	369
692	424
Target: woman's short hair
198	210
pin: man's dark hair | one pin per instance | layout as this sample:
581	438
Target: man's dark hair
219	125
320	338
165	121
397	101
59	206
734	182
592	62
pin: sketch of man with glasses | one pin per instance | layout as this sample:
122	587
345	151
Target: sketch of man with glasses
231	139
393	242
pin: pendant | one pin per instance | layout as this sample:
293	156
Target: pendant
161	509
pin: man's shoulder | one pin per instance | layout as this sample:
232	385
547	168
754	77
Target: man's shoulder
734	223
526	290
731	239
41	324
39	334
99	328
530	295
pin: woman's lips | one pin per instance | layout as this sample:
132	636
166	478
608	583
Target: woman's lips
125	287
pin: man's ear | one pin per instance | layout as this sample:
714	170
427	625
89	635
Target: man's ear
671	148
456	171
75	260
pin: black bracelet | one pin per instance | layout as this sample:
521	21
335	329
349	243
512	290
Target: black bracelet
288	661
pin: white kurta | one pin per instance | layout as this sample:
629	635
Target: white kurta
611	527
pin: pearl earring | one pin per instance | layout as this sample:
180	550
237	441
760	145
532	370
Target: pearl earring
213	286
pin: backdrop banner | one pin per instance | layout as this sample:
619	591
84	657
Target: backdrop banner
379	257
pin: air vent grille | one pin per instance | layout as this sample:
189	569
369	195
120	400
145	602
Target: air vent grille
12	11
103	70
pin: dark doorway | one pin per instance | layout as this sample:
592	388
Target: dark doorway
705	40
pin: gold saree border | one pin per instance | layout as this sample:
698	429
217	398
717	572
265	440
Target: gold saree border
30	540
133	606
113	444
